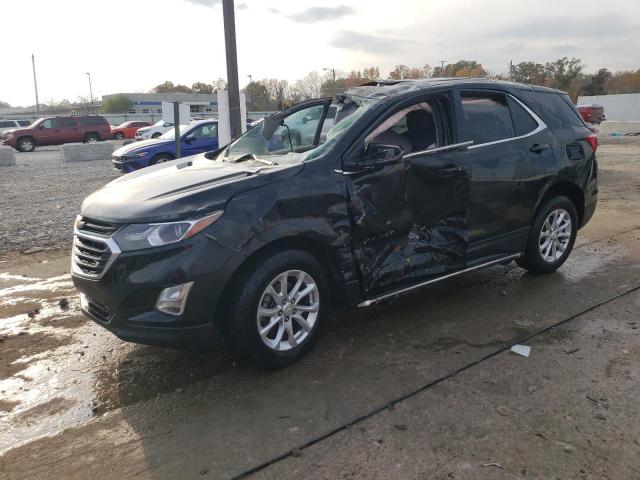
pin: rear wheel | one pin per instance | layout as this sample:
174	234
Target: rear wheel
91	138
26	144
278	312
552	236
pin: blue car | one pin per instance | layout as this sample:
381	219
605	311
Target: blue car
196	138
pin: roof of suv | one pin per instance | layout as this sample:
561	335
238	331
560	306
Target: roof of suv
384	89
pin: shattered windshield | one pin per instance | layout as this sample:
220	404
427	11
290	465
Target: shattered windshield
293	140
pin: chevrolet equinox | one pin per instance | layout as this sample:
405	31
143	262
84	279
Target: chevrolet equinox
414	182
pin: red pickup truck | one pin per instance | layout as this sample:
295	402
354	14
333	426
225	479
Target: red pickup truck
58	130
592	113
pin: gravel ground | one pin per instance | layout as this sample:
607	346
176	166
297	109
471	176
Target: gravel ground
41	196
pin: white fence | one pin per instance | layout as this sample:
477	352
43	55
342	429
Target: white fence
621	108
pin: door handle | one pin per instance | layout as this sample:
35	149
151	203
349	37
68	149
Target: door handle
452	169
539	148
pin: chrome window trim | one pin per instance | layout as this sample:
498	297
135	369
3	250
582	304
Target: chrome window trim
431	151
108	241
541	126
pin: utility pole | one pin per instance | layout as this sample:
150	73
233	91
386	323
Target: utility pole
90	90
233	88
333	74
35	83
176	127
250	78
442	62
511	70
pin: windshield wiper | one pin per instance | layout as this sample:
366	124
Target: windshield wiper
251	156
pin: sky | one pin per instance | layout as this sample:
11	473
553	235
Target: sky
133	45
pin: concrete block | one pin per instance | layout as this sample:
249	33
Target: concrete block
81	152
7	156
609	126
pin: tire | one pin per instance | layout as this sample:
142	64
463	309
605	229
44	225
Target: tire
161	158
552	236
91	138
156	135
256	307
118	136
26	144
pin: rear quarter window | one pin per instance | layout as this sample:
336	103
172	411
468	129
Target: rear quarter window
523	122
24	123
559	107
92	121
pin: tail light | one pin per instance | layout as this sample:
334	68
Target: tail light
592	140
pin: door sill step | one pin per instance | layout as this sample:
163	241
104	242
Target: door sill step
373	301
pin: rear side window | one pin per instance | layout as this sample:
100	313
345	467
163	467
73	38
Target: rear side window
523	122
485	118
92	120
7	124
66	122
24	123
558	106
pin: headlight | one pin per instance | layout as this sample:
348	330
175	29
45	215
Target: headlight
129	156
138	236
8	135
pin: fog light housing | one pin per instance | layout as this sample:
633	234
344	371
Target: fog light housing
172	300
84	302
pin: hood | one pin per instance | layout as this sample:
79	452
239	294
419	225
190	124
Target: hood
179	189
142	145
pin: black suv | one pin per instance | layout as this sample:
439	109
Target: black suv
415	182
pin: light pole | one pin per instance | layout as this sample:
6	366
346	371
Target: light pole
233	88
35	83
333	74
250	78
90	90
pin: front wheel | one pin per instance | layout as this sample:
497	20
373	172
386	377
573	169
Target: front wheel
156	135
552	236
91	138
26	144
118	136
277	315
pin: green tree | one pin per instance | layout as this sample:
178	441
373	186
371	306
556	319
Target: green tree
170	87
562	72
117	104
200	87
597	84
529	72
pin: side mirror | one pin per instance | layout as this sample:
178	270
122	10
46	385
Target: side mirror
378	153
41	127
190	138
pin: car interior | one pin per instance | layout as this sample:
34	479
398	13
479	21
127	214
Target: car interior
413	129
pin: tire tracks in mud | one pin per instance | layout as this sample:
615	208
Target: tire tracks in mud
296	450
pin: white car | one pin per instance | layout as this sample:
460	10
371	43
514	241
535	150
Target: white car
154	131
6	125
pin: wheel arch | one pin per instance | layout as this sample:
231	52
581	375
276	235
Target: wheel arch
568	189
318	249
86	135
22	137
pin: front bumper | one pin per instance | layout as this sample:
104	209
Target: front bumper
123	299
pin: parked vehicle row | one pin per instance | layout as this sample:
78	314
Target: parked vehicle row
58	130
592	113
127	129
6	125
414	182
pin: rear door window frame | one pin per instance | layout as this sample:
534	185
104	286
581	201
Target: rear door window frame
479	91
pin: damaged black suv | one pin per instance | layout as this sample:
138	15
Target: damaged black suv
414	182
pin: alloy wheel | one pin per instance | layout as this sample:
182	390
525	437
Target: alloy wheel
288	310
555	235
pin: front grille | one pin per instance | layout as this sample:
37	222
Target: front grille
90	256
99	311
97	226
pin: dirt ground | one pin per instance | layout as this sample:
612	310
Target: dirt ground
424	387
